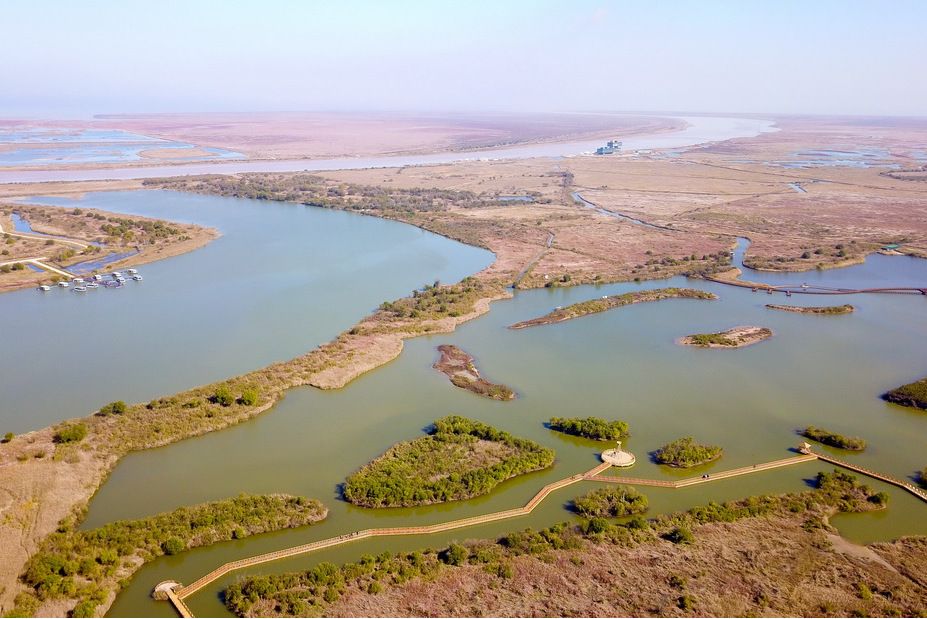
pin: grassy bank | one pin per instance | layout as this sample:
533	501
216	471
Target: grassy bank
595	306
77	572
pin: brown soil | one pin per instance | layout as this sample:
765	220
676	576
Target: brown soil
737	337
458	366
767	566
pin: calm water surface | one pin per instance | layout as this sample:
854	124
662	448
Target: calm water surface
622	364
281	280
700	129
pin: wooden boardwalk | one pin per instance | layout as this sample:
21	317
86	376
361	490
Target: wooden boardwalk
177	595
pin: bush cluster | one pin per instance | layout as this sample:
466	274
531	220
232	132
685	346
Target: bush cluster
460	459
685	453
611	502
595	428
834	440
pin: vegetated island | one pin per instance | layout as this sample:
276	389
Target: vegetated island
74	572
684	453
595	306
780	538
596	428
459	367
913	394
611	502
833	439
826	310
460	459
737	337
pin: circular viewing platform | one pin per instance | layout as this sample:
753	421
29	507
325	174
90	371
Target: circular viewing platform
618	457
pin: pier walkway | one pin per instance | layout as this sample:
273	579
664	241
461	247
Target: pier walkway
177	593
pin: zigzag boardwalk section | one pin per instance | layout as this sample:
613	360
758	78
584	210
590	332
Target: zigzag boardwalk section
177	595
875	475
692	481
183	592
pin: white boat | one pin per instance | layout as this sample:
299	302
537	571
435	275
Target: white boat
44	288
63	284
77	280
137	278
116	274
97	277
80	289
132	271
92	285
121	279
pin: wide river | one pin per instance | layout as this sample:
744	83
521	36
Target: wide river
700	129
251	300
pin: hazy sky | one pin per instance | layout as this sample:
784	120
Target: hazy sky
816	56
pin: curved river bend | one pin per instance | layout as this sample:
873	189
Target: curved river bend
281	280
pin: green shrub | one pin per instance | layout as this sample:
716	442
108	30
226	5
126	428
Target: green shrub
114	408
595	428
7	437
833	439
681	535
249	397
173	546
455	555
611	502
686	453
223	396
71	433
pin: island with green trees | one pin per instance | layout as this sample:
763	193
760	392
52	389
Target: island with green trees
80	571
827	310
606	303
684	453
913	394
737	337
611	502
594	428
459	459
459	367
833	439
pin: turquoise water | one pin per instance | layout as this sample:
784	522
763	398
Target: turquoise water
281	280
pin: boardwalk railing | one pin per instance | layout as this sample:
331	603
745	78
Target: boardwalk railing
177	595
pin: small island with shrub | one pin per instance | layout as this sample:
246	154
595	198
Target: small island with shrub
832	439
459	459
913	394
611	502
684	453
595	428
595	306
458	365
827	310
738	337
